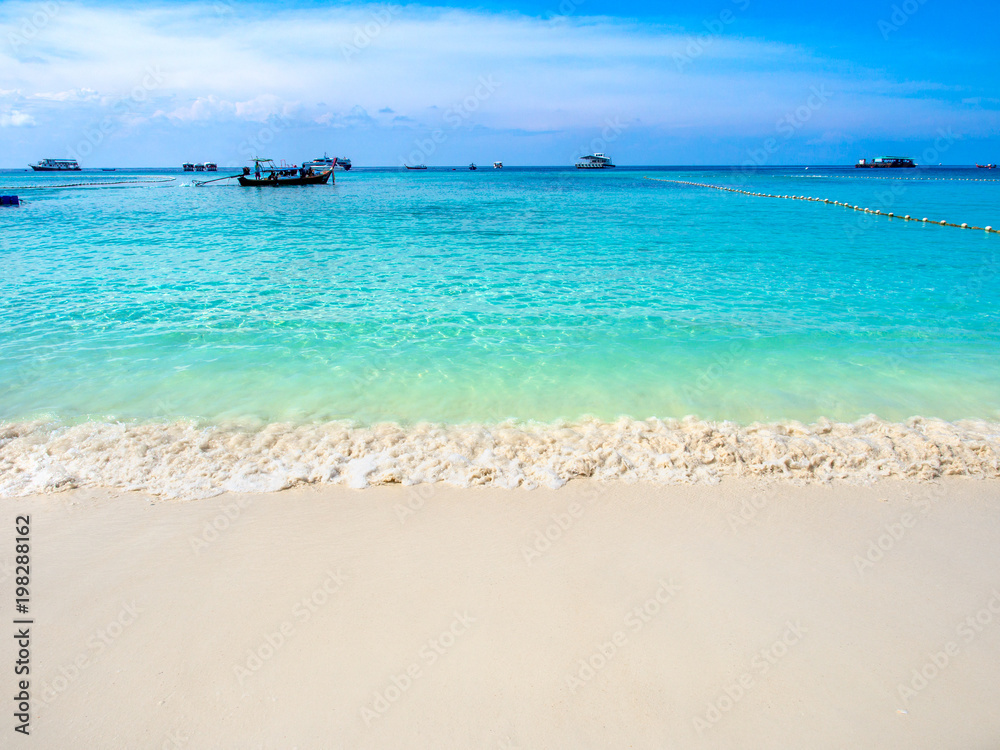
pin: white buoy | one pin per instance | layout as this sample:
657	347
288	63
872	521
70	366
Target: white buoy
964	225
943	222
989	229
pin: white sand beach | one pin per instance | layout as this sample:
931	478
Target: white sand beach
598	615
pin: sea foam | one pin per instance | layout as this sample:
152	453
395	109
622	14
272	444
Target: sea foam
186	460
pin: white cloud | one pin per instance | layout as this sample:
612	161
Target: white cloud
226	67
15	119
73	95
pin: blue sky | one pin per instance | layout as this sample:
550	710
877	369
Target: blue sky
525	81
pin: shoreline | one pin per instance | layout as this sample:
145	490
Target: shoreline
598	615
185	460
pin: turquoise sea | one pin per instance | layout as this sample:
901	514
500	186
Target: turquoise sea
545	296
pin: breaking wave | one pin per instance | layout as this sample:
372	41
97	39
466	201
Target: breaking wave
187	460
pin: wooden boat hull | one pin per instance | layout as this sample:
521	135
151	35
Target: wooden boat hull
319	179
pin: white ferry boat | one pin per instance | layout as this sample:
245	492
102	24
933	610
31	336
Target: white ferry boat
56	165
188	166
211	166
199	167
594	161
328	163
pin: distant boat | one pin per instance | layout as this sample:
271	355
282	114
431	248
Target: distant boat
188	166
199	167
498	165
211	166
56	165
886	162
108	169
473	167
344	163
595	161
987	166
418	166
268	174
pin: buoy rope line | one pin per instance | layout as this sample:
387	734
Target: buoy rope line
146	181
877	212
887	177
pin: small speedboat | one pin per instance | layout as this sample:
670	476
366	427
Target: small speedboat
418	166
498	165
987	166
473	167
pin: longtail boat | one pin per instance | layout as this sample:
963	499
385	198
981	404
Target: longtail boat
268	174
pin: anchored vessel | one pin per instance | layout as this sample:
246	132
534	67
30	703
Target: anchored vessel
268	174
498	165
886	162
328	163
211	166
56	165
418	166
987	166
188	166
595	161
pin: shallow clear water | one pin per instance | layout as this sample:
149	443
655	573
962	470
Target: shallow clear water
533	294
